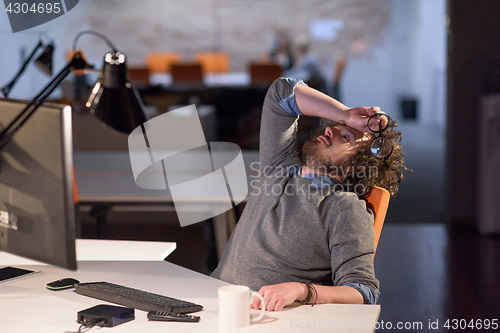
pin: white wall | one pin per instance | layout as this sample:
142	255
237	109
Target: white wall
431	61
410	61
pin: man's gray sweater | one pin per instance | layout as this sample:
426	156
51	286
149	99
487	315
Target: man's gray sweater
291	231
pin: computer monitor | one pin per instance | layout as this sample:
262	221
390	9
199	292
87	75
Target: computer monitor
37	211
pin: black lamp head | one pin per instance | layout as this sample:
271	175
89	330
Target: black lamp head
44	61
114	98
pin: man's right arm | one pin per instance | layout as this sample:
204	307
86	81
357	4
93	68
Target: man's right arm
285	101
314	103
279	122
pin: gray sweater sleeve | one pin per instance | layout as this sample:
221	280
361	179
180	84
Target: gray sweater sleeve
279	123
351	244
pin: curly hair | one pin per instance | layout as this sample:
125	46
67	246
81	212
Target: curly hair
366	171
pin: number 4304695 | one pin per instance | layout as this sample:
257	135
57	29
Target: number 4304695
478	324
40	8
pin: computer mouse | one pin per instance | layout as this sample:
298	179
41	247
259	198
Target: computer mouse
62	284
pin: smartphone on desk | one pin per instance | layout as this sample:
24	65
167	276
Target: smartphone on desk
11	273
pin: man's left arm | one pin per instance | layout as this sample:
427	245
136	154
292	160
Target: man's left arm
277	296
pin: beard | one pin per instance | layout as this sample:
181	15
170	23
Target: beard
313	158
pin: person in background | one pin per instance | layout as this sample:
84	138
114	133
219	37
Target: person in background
334	89
282	52
307	67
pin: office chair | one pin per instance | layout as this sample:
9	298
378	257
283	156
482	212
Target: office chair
187	73
213	62
378	202
264	73
139	75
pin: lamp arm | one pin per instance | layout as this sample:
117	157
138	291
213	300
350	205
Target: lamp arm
84	32
6	89
77	62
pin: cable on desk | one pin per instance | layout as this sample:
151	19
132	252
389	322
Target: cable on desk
85	327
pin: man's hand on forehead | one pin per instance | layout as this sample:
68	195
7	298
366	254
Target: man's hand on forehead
357	118
314	103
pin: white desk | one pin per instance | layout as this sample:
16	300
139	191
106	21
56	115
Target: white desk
105	250
234	79
105	179
27	306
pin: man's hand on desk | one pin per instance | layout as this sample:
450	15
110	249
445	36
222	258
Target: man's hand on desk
277	296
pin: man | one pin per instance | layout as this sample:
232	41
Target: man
304	235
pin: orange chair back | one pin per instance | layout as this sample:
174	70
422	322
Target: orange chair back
213	62
378	202
161	62
75	188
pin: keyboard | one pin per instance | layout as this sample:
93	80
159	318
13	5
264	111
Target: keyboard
134	298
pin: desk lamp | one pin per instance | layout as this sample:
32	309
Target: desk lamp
44	62
113	98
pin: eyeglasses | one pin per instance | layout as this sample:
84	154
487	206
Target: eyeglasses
381	147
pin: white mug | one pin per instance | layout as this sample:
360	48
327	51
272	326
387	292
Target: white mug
234	306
